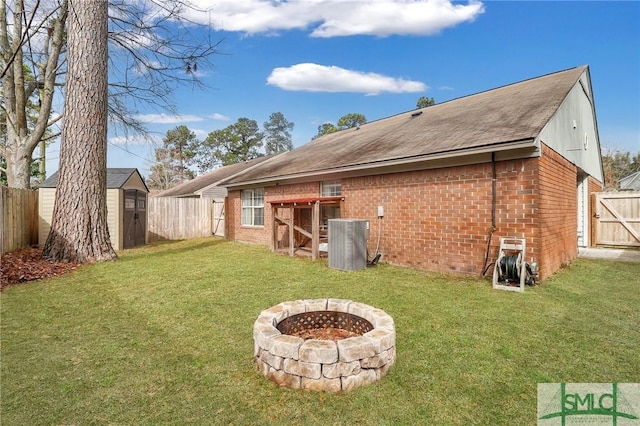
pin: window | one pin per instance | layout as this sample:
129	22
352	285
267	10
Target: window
326	213
253	207
331	188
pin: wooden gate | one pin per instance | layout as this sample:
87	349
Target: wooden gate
218	217
617	219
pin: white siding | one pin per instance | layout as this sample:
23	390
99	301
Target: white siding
214	192
114	218
46	196
572	131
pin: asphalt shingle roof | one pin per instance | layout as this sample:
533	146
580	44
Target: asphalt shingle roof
201	182
631	182
516	112
116	178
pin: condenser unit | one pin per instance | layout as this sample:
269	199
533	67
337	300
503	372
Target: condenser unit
348	244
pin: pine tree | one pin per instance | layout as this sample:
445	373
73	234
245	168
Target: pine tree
79	231
173	159
278	134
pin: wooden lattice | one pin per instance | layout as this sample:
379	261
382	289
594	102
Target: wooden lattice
324	319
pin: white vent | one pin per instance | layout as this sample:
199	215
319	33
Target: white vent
348	244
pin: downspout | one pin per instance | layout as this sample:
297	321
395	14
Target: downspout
493	213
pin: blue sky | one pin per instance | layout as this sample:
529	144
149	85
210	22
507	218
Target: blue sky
318	60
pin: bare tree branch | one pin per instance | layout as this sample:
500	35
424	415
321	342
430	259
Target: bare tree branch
25	37
154	49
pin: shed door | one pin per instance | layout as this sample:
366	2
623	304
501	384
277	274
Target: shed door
135	218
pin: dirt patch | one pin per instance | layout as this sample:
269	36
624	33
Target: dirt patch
28	265
329	333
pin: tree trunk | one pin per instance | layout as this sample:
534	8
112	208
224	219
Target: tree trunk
18	163
21	140
18	166
79	230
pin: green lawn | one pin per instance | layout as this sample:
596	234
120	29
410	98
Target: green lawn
164	336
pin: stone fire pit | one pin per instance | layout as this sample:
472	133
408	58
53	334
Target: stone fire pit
344	344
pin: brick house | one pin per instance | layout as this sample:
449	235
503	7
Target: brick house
516	161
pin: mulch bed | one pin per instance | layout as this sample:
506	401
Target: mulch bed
28	265
329	333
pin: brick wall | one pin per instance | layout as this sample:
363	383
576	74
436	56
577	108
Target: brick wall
558	211
440	219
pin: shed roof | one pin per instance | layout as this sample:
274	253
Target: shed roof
197	185
512	114
116	178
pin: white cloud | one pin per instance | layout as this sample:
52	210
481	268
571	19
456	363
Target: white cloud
145	69
200	133
320	78
219	117
134	140
403	17
331	18
119	140
167	118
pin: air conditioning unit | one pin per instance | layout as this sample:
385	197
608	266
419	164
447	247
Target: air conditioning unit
348	244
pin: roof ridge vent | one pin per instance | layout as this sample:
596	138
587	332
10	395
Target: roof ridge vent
417	113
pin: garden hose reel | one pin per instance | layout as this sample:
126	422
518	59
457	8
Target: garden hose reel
511	271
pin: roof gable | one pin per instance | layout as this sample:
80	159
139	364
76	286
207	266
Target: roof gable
512	113
573	129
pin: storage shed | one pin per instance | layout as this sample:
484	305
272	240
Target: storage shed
126	207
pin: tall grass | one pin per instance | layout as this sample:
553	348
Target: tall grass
164	336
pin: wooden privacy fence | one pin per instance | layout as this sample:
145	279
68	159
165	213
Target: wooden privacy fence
617	219
19	209
179	218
